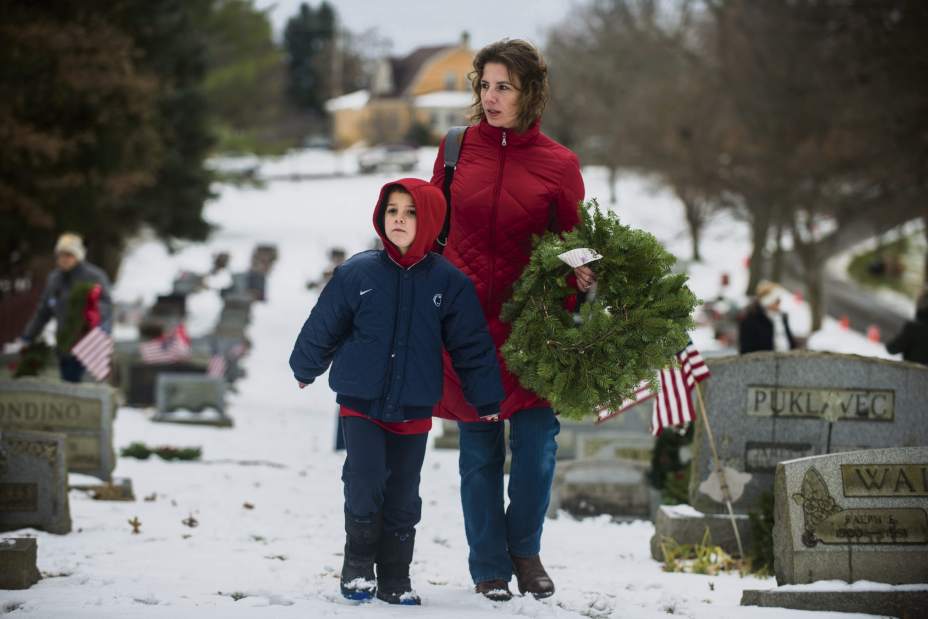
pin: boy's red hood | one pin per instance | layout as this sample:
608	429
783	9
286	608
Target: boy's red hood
430	216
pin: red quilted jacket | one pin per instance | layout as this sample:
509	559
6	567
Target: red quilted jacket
507	186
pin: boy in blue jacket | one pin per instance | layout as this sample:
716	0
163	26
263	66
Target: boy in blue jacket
382	321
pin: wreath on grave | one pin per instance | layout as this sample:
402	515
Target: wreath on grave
595	358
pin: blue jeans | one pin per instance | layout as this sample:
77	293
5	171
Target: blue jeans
492	533
381	473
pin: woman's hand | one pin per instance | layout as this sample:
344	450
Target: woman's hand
585	278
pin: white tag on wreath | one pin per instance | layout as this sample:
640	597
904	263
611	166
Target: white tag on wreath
578	257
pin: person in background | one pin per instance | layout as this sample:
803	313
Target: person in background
511	182
764	325
912	341
71	270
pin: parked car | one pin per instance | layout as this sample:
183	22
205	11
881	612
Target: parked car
388	156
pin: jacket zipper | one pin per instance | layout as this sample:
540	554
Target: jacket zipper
497	191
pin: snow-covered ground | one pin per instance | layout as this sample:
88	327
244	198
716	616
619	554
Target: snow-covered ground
281	556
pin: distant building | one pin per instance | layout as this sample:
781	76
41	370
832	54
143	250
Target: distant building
428	87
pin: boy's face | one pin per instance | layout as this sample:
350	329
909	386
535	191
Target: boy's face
399	220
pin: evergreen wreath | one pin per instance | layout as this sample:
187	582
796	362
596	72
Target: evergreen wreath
638	320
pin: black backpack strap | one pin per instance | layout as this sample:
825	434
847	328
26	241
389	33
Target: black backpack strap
453	143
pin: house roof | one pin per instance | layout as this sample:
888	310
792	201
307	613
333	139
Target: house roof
405	69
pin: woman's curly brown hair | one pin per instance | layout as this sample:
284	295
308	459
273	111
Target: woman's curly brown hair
526	66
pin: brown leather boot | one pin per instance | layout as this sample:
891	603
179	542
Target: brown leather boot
532	576
496	590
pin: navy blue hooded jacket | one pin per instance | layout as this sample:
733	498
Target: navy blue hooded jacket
382	320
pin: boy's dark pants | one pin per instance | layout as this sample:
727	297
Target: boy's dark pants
381	474
382	505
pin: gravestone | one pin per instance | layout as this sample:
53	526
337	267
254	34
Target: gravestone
449	437
34	482
192	399
619	488
235	318
256	284
769	407
187	283
852	516
169	306
84	412
143	378
263	257
685	525
859	515
627	436
18	568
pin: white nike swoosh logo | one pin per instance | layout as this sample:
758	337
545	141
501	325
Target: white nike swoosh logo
364	292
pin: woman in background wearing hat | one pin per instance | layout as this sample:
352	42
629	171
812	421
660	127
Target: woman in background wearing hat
764	326
71	270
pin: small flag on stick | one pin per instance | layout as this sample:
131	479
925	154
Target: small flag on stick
95	351
673	405
167	348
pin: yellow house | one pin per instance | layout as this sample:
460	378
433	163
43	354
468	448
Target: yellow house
429	87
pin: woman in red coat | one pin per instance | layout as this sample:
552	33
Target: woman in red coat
511	182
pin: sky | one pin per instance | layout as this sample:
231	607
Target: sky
413	23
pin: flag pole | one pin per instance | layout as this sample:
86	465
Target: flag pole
723	484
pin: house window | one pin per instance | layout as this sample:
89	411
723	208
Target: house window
450	81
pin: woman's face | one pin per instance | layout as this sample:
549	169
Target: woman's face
499	96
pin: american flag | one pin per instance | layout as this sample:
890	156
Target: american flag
216	366
673	405
95	350
169	348
643	393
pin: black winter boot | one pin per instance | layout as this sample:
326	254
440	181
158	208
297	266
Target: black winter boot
393	558
362	535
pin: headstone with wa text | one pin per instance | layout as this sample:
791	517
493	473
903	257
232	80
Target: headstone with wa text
858	515
84	412
34	482
191	398
766	408
852	516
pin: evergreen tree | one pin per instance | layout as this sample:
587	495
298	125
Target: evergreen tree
77	119
172	42
104	125
309	39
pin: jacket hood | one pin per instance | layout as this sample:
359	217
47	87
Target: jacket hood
430	216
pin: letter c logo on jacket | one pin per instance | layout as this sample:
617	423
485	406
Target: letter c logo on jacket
437	300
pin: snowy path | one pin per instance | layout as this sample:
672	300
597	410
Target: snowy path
283	555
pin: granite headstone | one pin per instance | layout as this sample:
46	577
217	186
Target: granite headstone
859	515
82	411
191	398
853	516
766	408
18	562
34	482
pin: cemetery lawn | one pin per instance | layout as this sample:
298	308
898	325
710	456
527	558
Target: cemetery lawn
255	528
